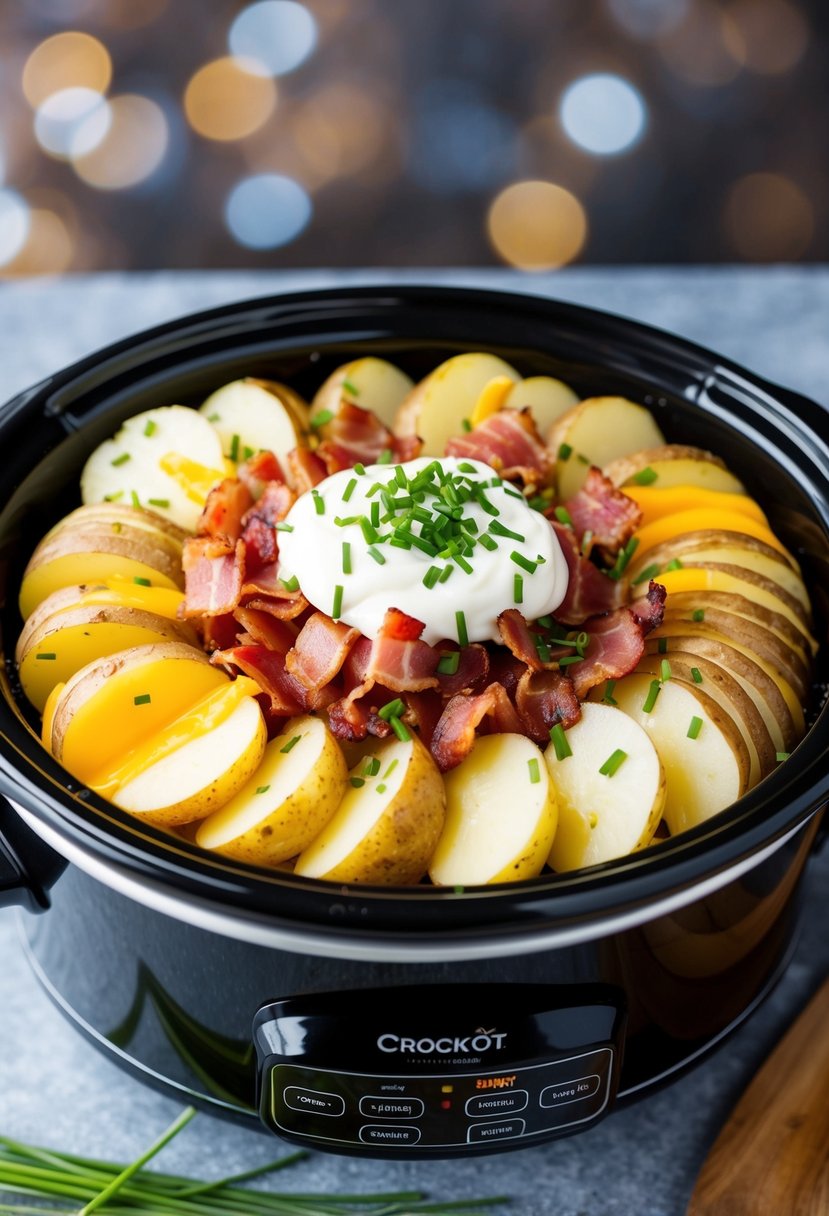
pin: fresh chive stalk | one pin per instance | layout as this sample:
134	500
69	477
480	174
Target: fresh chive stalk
535	775
613	763
650	699
560	742
694	727
448	663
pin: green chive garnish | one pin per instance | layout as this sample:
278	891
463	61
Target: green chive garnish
523	562
662	646
291	743
142	582
381	788
392	709
563	516
447	570
650	699
608	697
448	663
372	767
518	589
360	469
262	789
357	782
460	625
346	557
151	427
159	502
694	727
247	452
645	477
696	675
665	671
385	456
290	584
351	388
234	448
46	655
613	763
119	460
319	502
546	622
136	502
542	649
781	756
400	730
564	451
698	614
560	742
535	775
390	769
337	608
143	699
349	489
283	527
646	575
114	497
466	425
673	564
321	418
431	577
377	555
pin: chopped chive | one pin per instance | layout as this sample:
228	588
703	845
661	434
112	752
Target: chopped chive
608	697
357	782
662	646
291	743
781	756
385	456
320	419
377	555
119	460
448	663
564	451
487	506
336	610
392	709
372	767
546	622
210	418
351	388
499	530
234	448
136	502
673	564
623	558
581	458
342	521
462	562
518	589
466	425
698	614
445	573
563	516
360	469
645	477
524	562
374	488
247	452
431	577
142	582
151	427
349	489
466	467
370	533
560	742
569	659
613	763
159	502
487	542
262	789
400	476
346	557
390	769
542	649
143	699
374	514
283	527
650	699
460	625
400	541
114	497
290	584
50	654
665	671
648	573
694	727
319	502
535	775
513	491
400	729
696	675
381	788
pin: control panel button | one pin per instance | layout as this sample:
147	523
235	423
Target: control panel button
569	1091
498	1103
313	1100
381	1107
480	1132
394	1133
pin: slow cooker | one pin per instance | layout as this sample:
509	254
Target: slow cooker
415	1021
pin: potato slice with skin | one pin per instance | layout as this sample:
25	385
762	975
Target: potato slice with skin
437	408
69	640
297	787
387	825
202	773
87	555
111	706
501	815
251	415
673	464
546	397
129	465
703	775
98	513
656	502
598	430
683	522
604	815
373	384
161	601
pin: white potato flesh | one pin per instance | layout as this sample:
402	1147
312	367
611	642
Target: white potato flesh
373	384
599	430
703	775
437	407
500	815
128	467
201	774
547	398
250	417
602	816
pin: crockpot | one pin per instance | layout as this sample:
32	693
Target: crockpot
406	1021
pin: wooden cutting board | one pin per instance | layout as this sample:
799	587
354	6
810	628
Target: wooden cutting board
772	1156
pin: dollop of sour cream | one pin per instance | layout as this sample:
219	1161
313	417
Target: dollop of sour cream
345	542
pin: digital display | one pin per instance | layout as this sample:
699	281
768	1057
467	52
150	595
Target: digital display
495	1082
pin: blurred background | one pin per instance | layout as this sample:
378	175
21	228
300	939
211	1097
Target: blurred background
139	134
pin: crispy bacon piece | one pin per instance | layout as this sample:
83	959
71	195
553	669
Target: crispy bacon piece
472	674
599	507
517	636
589	591
259	524
355	435
649	609
218	632
287	607
510	443
214	571
455	732
320	650
224	509
305	469
266	629
267	668
423	709
617	641
259	470
543	698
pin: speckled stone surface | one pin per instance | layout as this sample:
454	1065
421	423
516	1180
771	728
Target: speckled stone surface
56	1089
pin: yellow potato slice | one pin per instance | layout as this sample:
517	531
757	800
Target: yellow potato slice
437	408
597	431
655	502
387	825
297	787
500	815
491	398
114	513
373	384
251	415
673	464
700	519
610	789
546	397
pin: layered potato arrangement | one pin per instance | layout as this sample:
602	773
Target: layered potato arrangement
134	709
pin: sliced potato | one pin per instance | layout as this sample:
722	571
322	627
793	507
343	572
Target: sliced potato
546	397
161	601
437	408
703	519
703	774
115	513
111	706
490	400
673	464
500	816
605	814
251	415
655	502
212	757
387	825
298	786
69	640
130	465
374	384
597	431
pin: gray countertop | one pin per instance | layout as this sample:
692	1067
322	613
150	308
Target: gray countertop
56	1089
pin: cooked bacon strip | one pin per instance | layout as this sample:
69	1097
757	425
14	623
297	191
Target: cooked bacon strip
589	591
214	571
320	650
617	641
510	443
472	674
218	632
267	668
544	698
649	609
259	470
266	629
305	469
517	636
423	709
600	508
355	435
287	607
455	732
259	524
224	509
404	664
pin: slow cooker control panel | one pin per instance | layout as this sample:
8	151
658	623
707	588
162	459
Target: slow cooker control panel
438	1070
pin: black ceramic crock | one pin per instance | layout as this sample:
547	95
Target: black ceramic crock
195	972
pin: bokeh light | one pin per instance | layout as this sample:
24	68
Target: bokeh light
72	121
267	211
768	218
460	139
279	35
15	221
47	249
603	113
340	129
537	225
773	35
229	98
128	14
648	18
71	60
132	149
705	49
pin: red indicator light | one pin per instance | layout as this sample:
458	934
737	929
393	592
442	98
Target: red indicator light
445	1105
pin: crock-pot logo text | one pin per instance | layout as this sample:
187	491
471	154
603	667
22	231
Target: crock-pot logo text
449	1045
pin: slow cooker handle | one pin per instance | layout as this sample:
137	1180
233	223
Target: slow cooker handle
28	867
